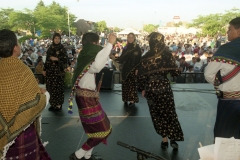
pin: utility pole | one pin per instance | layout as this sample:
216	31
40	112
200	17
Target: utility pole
68	25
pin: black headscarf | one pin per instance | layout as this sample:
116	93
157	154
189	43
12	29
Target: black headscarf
56	50
158	58
59	45
130	57
130	46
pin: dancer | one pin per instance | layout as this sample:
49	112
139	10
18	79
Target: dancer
21	104
95	122
54	70
223	72
155	86
129	58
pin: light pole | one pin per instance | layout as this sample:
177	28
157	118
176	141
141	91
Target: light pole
69	22
68	25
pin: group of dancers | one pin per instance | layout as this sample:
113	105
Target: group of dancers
22	101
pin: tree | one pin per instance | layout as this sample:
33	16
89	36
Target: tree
211	24
4	18
100	26
39	5
53	18
150	28
116	29
73	30
178	24
22	20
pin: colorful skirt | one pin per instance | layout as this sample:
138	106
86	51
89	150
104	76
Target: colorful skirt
27	146
94	120
228	119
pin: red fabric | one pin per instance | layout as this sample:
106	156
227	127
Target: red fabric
96	122
231	74
196	50
27	146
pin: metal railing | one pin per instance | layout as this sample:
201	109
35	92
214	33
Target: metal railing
184	77
189	77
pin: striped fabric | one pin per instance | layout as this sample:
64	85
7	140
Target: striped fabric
94	120
231	95
231	74
90	110
27	146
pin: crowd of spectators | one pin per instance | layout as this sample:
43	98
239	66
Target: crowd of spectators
192	53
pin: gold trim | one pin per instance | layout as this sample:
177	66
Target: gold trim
100	134
87	93
231	95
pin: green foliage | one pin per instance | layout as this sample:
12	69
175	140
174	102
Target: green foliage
211	24
68	79
4	18
178	24
45	18
24	38
100	26
73	30
53	18
39	5
116	29
150	28
22	20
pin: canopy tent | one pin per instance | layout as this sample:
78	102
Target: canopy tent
128	30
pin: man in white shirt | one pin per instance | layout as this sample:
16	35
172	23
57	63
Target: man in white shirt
223	72
94	120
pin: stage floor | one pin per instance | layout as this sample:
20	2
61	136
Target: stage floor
195	105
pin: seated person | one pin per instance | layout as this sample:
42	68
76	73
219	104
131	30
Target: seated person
190	77
39	67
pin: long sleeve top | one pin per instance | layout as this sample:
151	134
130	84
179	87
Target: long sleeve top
88	80
211	70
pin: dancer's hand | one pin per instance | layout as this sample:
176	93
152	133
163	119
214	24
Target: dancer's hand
44	73
143	93
136	72
111	56
54	58
43	90
112	38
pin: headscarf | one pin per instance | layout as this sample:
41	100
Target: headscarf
86	56
158	58
54	36
58	46
21	101
130	46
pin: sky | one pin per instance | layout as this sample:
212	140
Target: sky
133	13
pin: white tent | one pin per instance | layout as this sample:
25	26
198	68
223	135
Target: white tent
128	30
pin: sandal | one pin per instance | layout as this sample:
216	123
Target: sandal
164	145
173	144
58	108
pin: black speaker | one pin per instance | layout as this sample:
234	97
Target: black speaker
108	80
40	77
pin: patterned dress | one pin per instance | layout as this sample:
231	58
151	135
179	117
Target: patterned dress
130	58
153	69
160	100
55	73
